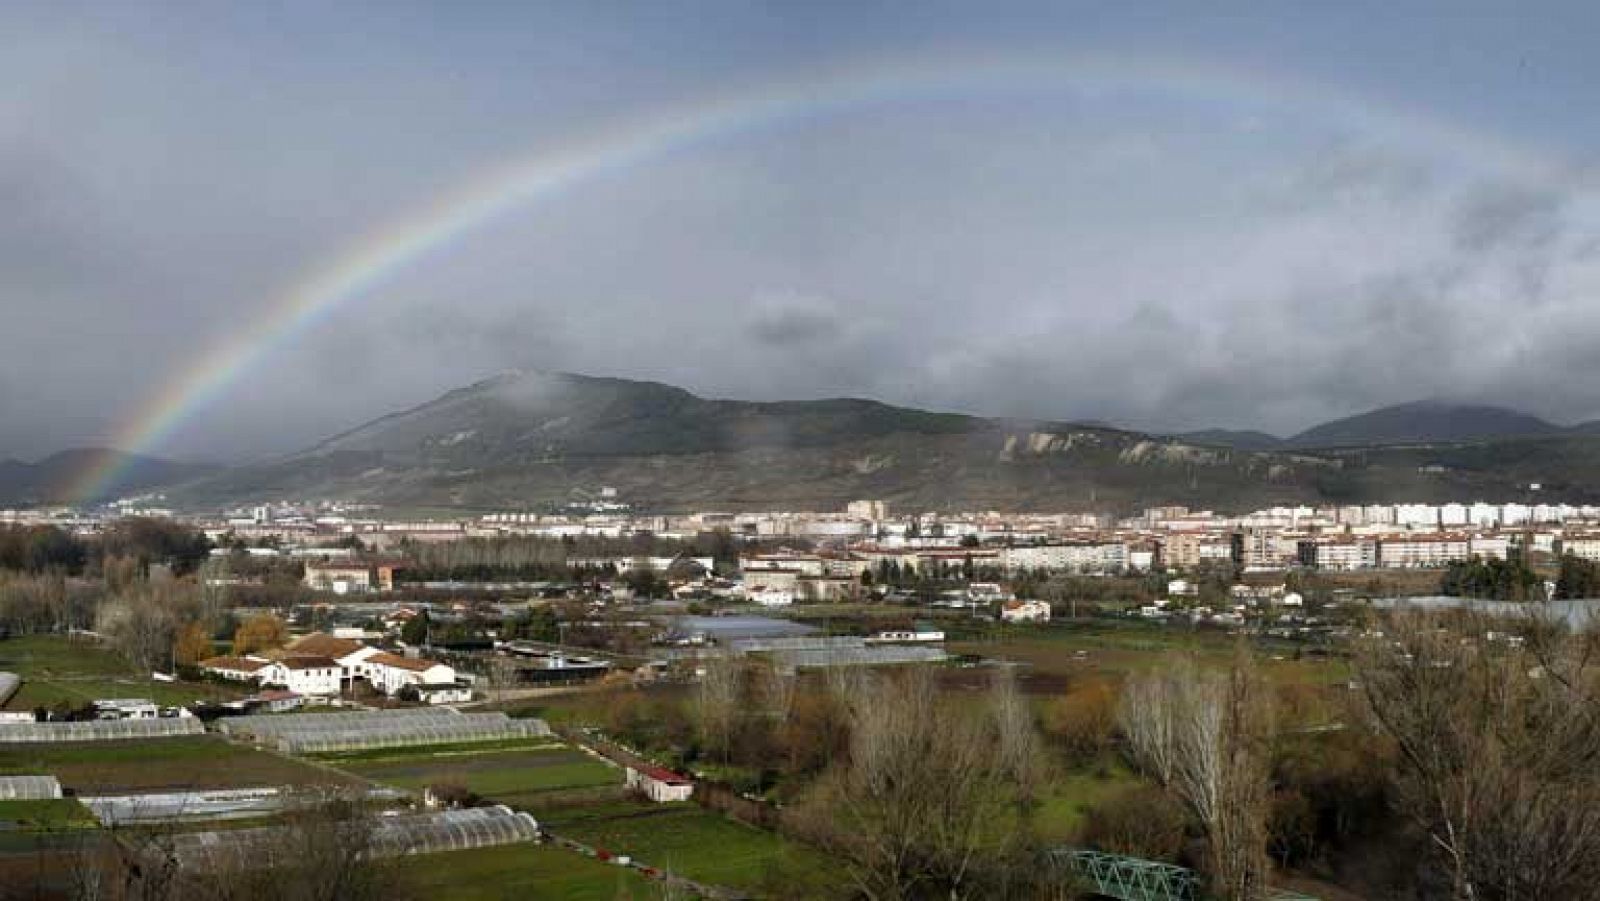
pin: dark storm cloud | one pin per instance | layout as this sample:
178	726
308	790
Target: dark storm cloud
795	322
167	180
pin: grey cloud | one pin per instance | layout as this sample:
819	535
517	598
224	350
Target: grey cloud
1089	257
795	322
1499	215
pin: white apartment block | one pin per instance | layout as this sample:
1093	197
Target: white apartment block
1070	558
1341	553
1584	546
1490	547
1422	551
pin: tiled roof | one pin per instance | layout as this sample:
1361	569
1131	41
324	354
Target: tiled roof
322	644
309	661
240	664
414	664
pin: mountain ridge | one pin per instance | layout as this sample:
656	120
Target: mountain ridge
536	439
51	479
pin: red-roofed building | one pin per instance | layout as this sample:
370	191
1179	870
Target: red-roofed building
314	675
659	784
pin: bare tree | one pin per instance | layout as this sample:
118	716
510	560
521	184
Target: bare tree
777	687
501	672
141	622
1499	747
923	805
717	702
1018	745
1206	736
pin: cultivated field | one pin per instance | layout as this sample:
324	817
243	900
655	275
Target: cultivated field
520	773
688	840
58	670
50	814
521	871
1117	649
191	762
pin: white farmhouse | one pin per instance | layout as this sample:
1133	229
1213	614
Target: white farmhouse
390	673
305	674
236	669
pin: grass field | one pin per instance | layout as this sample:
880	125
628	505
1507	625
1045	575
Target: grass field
47	814
188	762
1060	816
517	775
1122	648
55	669
688	840
520	871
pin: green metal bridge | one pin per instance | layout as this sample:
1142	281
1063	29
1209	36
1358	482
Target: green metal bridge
1137	879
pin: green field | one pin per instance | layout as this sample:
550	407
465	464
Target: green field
55	669
520	871
1119	648
50	815
517	773
197	762
1069	797
688	840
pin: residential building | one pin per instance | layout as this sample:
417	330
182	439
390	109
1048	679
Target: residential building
1422	550
1338	552
304	674
391	673
1068	557
237	669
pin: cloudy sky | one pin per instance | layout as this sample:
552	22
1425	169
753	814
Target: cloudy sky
1162	215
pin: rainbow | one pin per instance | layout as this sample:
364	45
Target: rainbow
448	220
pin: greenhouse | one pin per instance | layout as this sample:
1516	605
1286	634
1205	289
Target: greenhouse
101	730
450	830
267	725
29	788
465	728
324	733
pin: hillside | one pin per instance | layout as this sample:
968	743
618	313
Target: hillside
51	479
537	440
1424	422
1242	439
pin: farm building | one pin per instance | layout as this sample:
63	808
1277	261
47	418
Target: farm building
306	675
238	669
659	784
389	673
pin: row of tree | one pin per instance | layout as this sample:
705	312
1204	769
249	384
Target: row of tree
49	549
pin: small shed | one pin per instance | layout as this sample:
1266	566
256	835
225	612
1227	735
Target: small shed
659	784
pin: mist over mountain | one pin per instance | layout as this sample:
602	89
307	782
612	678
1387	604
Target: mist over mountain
1242	439
535	440
52	479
